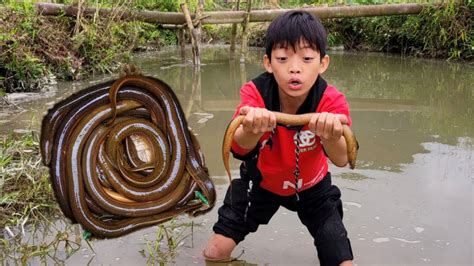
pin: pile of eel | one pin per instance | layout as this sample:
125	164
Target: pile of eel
121	157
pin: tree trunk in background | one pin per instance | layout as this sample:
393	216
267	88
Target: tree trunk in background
233	33
245	33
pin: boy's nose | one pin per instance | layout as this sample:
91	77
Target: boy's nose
295	67
295	71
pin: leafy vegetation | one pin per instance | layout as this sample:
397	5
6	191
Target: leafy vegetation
32	47
443	31
19	66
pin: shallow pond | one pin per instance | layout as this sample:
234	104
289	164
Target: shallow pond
408	202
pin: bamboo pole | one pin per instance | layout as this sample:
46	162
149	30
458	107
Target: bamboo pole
233	33
189	22
197	32
228	17
77	27
245	33
196	96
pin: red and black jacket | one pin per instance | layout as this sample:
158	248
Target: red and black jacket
274	156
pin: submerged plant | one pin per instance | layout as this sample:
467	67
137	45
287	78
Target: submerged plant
39	243
167	239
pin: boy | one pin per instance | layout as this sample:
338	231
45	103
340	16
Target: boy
285	165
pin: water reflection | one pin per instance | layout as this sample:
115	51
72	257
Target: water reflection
396	103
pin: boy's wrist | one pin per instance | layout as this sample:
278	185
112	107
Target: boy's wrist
331	142
336	150
247	140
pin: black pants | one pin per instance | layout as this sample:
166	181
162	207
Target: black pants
247	205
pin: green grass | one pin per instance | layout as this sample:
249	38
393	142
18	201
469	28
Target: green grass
25	190
162	248
27	205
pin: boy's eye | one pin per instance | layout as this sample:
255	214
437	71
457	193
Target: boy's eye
281	58
307	58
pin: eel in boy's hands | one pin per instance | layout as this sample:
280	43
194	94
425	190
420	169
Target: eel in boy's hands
292	120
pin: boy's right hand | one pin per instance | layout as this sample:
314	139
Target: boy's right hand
257	120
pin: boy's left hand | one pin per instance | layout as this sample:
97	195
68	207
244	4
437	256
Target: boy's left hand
327	126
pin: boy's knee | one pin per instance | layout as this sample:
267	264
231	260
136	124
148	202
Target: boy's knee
334	248
219	247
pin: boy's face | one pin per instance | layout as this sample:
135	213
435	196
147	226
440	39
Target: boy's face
295	70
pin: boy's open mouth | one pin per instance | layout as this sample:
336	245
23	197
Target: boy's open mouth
295	84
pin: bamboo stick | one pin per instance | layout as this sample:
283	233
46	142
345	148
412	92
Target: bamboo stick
228	17
77	27
189	22
197	32
245	33
233	33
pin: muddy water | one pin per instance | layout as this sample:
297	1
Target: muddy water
408	202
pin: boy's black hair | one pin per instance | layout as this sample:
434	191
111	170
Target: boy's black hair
291	27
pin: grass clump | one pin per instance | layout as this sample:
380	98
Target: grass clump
39	247
27	205
21	68
25	190
168	237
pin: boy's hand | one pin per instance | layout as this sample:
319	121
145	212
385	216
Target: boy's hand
257	120
327	126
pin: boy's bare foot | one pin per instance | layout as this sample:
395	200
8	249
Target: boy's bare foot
219	248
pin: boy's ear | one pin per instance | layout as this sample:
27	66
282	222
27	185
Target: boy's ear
266	64
324	64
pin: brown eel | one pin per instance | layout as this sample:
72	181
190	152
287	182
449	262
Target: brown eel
292	120
86	143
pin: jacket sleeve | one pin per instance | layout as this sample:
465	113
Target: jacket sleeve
334	102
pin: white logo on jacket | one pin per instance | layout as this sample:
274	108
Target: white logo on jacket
307	138
289	184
